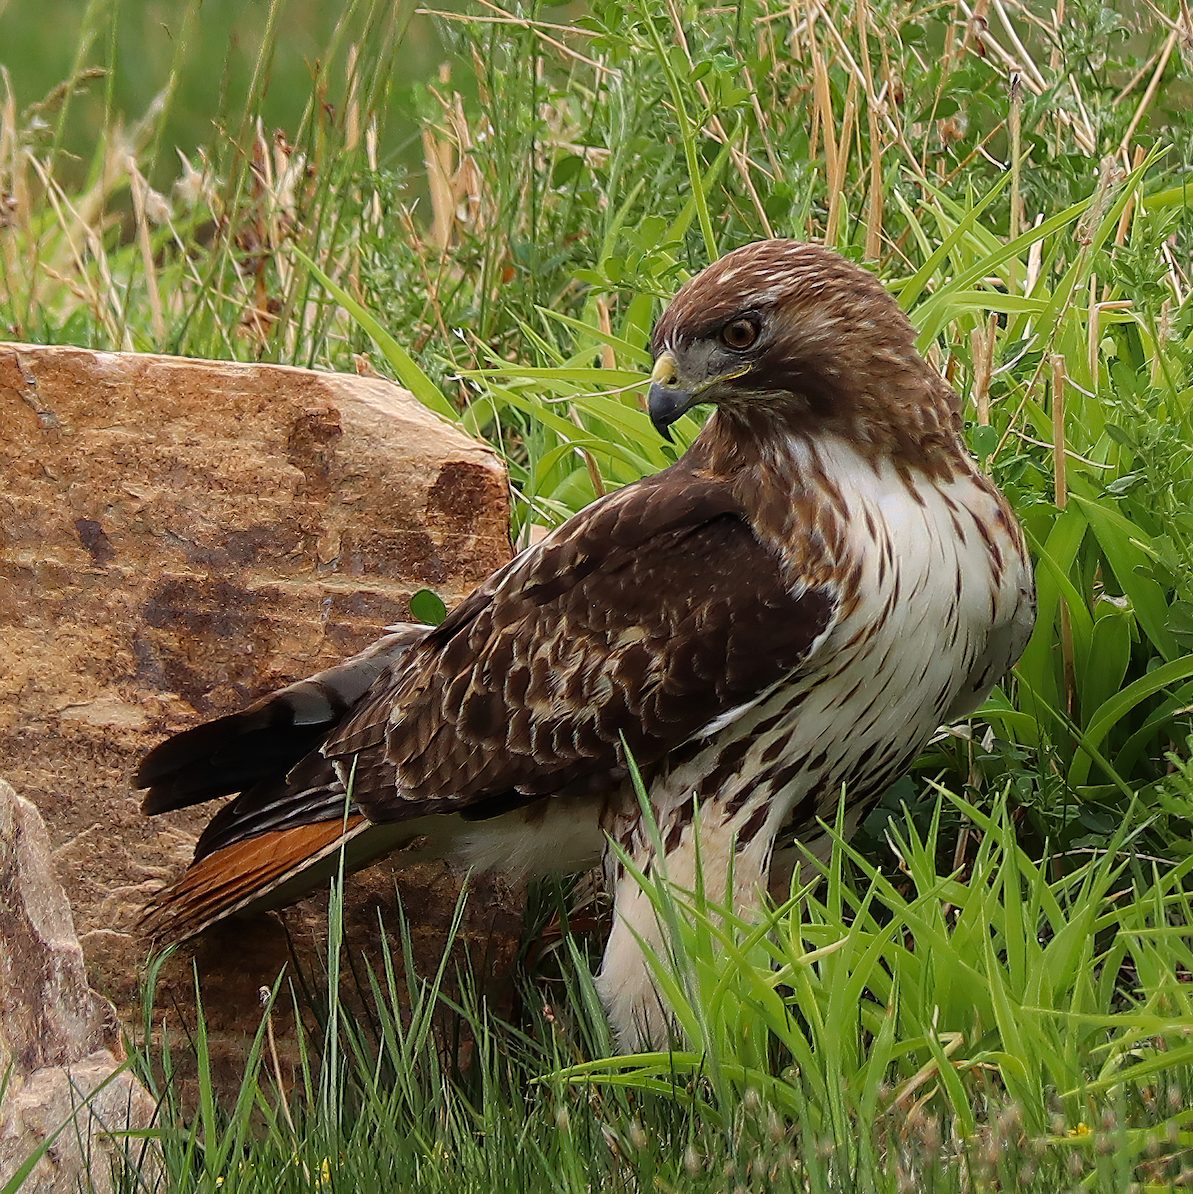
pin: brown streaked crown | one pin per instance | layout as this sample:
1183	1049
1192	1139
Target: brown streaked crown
834	353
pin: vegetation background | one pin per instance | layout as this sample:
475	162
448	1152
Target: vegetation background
991	985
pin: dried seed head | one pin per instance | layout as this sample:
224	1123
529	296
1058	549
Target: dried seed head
930	1134
774	1126
193	187
953	128
1010	1119
1109	176
693	1162
157	207
637	1136
992	1148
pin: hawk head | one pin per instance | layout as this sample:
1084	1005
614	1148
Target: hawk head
795	333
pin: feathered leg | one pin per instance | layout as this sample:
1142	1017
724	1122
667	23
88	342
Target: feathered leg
731	864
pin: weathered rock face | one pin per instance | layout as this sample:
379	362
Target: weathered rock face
60	1039
175	538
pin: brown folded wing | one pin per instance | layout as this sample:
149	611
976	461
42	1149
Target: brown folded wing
650	615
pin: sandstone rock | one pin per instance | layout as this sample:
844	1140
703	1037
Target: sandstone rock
176	537
60	1039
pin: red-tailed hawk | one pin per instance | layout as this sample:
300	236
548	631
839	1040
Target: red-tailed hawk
793	608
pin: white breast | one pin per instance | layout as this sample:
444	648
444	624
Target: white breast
943	609
945	594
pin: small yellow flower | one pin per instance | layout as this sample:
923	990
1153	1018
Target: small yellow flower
1082	1129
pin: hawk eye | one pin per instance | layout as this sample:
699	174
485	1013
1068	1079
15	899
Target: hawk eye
740	333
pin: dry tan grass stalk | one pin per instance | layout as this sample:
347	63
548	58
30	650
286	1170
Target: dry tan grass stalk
981	341
1183	24
605	323
10	157
889	94
13	193
594	472
139	189
352	101
372	138
1016	119
1175	276
873	246
822	99
1128	213
814	131
1145	101
1035	255
976	22
468	184
950	1042
1061	493
1129	87
507	19
836	181
858	77
789	13
1058	20
1079	99
437	157
1027	62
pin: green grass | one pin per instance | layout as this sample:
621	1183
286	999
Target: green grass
986	988
206	58
983	1028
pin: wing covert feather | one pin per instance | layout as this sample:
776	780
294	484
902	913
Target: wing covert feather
650	614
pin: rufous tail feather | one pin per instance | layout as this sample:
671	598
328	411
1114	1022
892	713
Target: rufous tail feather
256	874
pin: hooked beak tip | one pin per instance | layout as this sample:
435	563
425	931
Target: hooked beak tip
665	404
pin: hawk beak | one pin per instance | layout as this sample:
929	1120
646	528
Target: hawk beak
666	401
